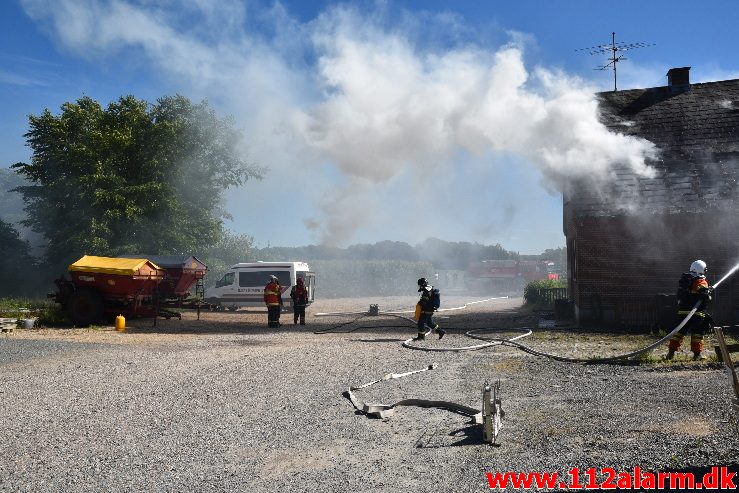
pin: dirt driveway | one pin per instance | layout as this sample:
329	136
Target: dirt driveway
225	404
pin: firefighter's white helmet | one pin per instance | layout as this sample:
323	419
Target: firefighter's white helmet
698	267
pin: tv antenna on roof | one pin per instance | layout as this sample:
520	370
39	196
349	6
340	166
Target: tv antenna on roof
614	49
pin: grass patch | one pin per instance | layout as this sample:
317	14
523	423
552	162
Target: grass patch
507	365
53	317
649	359
47	313
23	307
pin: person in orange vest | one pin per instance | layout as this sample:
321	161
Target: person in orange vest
273	300
428	303
299	295
693	289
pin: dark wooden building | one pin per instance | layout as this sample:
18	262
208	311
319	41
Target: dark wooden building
629	241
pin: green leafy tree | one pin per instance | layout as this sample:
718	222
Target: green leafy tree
558	256
383	250
230	249
11	203
130	178
458	255
17	267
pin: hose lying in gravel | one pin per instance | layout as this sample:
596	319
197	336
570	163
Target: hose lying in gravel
392	313
386	410
408	343
491	342
512	343
343	324
395	312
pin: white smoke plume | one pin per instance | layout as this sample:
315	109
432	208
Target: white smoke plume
355	105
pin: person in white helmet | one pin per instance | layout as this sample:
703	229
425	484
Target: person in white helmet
693	288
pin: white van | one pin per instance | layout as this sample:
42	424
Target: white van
243	285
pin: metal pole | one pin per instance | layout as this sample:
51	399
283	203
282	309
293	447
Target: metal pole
613	47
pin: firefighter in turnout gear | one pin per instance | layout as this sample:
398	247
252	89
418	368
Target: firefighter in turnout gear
693	289
273	300
299	295
428	303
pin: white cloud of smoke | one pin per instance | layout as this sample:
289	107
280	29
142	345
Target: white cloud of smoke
356	92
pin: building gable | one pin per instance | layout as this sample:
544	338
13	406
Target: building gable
695	127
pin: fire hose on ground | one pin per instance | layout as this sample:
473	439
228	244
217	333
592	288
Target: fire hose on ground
489	342
633	354
490	417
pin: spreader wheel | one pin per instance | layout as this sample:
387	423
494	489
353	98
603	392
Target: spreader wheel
85	307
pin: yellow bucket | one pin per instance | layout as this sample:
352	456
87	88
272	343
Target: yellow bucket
417	315
120	323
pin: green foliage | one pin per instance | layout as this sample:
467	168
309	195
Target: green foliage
231	248
45	311
458	255
11	304
130	178
648	359
18	269
444	255
532	293
11	203
383	250
53	316
304	253
556	255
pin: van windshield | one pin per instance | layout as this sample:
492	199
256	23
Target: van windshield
261	278
226	280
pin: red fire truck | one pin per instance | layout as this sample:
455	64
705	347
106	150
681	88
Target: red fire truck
507	275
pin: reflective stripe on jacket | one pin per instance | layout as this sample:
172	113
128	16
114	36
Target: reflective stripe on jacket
272	294
694	295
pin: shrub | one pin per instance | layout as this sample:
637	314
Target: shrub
53	316
533	292
45	311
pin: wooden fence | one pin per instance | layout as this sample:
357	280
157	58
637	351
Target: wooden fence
547	296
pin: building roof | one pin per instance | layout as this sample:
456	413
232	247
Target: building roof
695	127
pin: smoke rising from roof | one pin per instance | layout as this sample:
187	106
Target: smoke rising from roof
352	104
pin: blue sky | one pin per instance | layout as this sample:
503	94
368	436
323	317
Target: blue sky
395	120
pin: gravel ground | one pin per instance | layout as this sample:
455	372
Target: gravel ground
225	404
